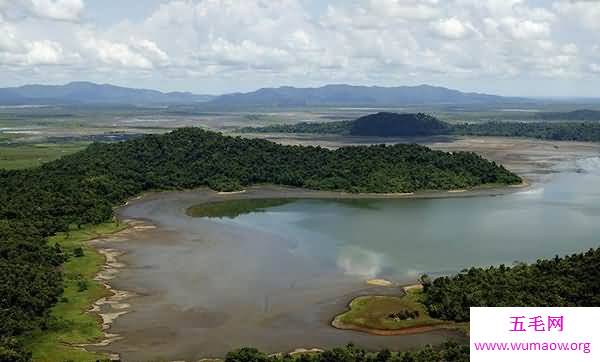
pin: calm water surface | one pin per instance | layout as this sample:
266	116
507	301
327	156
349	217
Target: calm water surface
402	239
274	278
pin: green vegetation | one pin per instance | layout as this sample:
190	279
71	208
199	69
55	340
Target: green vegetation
69	323
376	312
571	281
82	189
334	127
565	131
398	125
410	125
233	208
577	115
447	352
24	155
382	124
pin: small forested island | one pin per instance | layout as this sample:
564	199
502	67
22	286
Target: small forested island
398	125
386	124
82	189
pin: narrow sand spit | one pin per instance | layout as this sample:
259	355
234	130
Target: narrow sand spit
231	192
380	282
112	307
412	286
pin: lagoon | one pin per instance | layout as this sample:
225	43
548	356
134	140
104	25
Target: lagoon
273	273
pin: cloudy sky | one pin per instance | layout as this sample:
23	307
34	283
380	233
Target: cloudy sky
509	47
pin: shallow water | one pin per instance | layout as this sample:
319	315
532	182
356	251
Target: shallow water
273	278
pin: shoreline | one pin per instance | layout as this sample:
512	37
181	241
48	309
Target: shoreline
264	191
110	307
403	290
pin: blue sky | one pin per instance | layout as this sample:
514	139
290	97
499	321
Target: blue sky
509	47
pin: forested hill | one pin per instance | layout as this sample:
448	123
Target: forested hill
410	125
84	187
398	125
348	95
382	124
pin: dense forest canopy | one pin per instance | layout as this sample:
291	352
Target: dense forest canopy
83	188
447	352
385	124
571	281
408	125
562	131
334	127
576	115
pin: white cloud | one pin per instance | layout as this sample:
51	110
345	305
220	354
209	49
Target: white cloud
586	12
113	53
151	50
57	9
406	9
44	52
260	43
8	40
515	28
61	10
450	28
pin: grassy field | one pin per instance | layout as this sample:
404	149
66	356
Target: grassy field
31	155
372	312
71	324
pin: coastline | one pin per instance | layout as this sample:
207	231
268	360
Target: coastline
263	191
114	302
114	306
403	292
110	307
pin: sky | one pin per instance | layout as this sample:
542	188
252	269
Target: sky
507	47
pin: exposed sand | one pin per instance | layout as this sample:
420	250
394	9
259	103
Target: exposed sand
380	282
336	323
112	307
231	192
413	286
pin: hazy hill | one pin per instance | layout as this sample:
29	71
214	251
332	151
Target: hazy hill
331	95
92	93
382	124
385	124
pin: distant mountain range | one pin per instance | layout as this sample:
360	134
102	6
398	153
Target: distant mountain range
348	95
92	93
329	95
